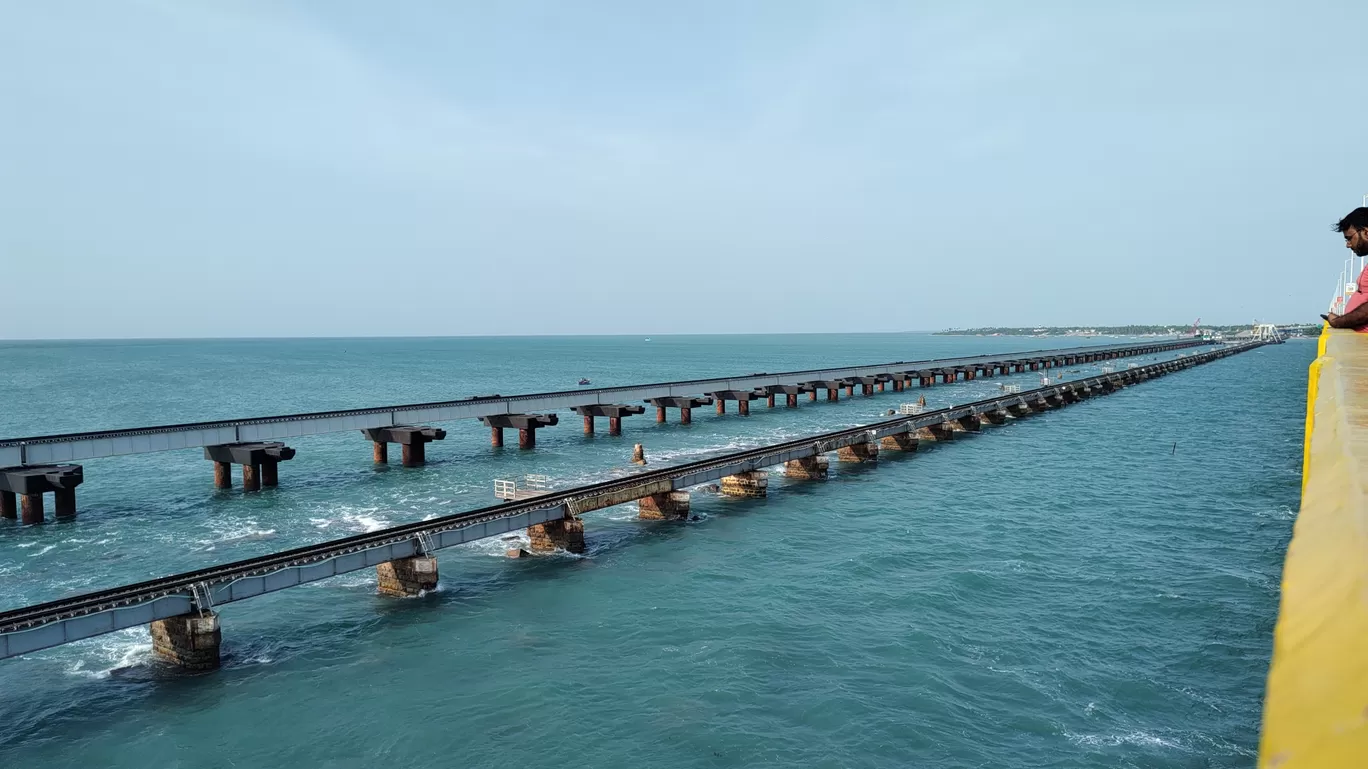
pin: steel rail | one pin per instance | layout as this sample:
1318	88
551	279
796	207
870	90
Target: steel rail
589	394
29	617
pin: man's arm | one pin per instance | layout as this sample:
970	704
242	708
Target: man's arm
1355	318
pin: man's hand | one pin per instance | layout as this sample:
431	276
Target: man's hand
1355	318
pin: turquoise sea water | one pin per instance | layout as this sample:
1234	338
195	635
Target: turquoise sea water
1092	587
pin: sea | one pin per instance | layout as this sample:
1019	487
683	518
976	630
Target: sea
1091	587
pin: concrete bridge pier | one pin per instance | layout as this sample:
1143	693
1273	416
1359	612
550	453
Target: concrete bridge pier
995	417
1018	410
742	398
253	456
563	534
414	441
754	483
407	577
859	452
188	641
614	412
832	387
899	442
686	405
665	506
971	424
525	424
808	468
26	485
790	393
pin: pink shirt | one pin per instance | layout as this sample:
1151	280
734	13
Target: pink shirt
1359	297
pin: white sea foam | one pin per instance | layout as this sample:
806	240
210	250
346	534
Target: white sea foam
1137	738
356	521
500	545
103	655
235	531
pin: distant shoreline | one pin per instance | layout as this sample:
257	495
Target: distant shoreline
1089	331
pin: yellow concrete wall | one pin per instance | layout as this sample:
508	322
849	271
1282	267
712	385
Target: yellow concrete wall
1316	705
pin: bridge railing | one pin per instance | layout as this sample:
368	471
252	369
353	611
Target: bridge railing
1316	706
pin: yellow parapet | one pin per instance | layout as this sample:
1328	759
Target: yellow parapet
1316	705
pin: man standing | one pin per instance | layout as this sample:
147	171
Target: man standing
1355	229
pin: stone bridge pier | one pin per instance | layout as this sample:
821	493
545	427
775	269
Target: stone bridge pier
859	452
407	577
414	441
189	641
899	442
562	534
260	463
808	468
969	424
614	412
754	483
664	506
525	424
936	433
994	417
30	482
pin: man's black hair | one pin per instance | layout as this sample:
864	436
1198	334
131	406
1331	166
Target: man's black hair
1358	219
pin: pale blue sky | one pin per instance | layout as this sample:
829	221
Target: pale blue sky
178	168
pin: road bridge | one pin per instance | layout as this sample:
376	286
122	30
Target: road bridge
257	443
181	608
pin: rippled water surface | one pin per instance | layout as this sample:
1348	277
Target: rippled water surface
1092	587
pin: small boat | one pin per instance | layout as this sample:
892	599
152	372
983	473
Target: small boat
648	339
584	381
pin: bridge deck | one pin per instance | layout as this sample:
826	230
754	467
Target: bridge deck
1314	709
71	447
58	622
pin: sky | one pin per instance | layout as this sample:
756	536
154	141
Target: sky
174	168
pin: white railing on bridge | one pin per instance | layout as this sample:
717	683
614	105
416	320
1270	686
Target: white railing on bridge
1011	388
911	408
531	486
